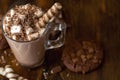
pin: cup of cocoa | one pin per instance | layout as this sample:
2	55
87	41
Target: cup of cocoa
27	29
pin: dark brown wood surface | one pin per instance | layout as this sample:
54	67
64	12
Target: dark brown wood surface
97	20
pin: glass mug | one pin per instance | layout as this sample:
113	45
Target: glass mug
31	53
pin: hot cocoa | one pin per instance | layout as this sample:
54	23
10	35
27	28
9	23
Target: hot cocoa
26	28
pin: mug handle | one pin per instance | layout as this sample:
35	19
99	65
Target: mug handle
56	35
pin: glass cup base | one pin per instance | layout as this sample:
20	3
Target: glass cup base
33	66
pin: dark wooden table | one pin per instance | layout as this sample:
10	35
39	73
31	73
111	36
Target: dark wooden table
97	20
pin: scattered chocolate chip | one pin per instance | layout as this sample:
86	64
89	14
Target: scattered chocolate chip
68	74
73	55
89	56
83	56
90	50
56	69
80	52
3	61
84	60
75	60
45	74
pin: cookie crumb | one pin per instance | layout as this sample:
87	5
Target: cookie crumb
3	59
45	74
56	69
68	74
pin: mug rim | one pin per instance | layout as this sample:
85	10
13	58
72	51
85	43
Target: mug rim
46	29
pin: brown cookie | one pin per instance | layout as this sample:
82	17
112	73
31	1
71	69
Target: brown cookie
82	57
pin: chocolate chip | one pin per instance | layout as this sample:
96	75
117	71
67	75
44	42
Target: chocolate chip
84	60
95	61
82	56
75	60
79	52
89	56
56	69
90	50
73	55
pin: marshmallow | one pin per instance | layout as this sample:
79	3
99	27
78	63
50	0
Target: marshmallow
39	12
26	6
22	17
7	66
16	29
1	70
20	78
8	18
11	75
12	12
14	37
29	30
4	26
37	25
25	79
4	73
12	79
8	70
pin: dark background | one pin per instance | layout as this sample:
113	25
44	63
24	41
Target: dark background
97	20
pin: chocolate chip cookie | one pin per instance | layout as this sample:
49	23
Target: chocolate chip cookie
82	56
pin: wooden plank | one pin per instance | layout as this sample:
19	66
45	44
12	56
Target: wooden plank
97	20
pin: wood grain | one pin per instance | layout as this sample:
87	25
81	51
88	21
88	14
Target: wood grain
97	20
